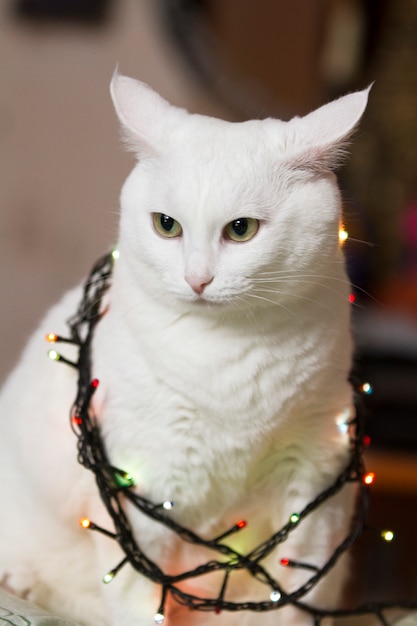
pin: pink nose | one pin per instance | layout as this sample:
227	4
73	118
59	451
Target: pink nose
198	284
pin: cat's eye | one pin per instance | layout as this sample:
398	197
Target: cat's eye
166	226
242	229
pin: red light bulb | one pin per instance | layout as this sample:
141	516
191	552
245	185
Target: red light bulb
366	441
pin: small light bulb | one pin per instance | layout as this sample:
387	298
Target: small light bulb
241	523
285	562
343	427
275	596
159	618
387	535
95	383
369	478
108	578
53	355
295	518
85	522
343	420
352	298
124	479
115	254
366	388
343	234
51	337
366	441
168	505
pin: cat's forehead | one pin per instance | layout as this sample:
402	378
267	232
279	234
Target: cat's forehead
227	139
224	152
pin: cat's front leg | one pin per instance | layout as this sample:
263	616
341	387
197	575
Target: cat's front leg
309	546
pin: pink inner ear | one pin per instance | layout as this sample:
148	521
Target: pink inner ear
334	121
321	136
141	111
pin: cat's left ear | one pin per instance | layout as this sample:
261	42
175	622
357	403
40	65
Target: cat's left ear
322	137
141	112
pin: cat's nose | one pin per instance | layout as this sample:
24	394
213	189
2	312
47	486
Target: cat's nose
198	283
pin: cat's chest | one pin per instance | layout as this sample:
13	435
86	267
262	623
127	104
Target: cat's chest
213	372
194	405
201	413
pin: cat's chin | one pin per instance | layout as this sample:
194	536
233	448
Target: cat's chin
203	301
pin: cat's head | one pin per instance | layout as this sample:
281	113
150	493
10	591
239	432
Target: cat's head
218	212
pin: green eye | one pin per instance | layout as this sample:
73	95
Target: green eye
166	226
242	229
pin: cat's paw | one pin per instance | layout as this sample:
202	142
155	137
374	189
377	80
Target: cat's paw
19	583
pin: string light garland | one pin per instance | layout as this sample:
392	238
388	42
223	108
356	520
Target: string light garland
115	486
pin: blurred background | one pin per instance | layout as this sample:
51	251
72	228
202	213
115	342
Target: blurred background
62	167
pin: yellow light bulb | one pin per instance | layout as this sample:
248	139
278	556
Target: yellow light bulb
343	234
387	535
85	522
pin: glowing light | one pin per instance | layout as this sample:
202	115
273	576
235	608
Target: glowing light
295	518
366	388
108	577
387	535
343	427
159	618
85	522
343	234
115	254
77	420
53	355
168	505
285	562
275	596
95	383
366	441
51	337
352	298
241	523
124	479
369	478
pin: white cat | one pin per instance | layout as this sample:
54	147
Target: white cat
223	363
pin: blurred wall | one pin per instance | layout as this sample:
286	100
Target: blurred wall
62	164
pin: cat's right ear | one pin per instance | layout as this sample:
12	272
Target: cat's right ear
141	112
319	140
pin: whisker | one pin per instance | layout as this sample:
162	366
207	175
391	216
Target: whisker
297	296
242	305
365	243
269	301
284	280
289	277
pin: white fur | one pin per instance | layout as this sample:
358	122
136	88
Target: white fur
226	401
